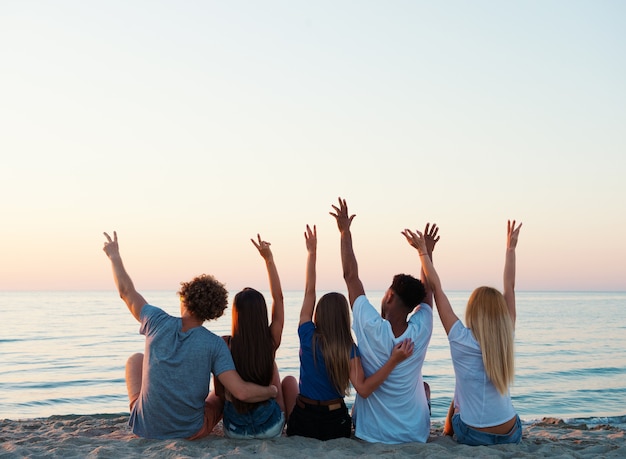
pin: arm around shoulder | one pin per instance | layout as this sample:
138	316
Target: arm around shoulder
365	386
246	391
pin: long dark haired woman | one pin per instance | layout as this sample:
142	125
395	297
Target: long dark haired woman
253	343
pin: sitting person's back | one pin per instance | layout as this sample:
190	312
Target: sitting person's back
253	345
330	361
177	377
397	412
168	389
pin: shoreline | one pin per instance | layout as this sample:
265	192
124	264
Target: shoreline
108	435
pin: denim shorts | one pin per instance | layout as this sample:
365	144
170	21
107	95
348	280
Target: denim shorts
265	421
469	436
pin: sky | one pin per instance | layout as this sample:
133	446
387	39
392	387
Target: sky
190	127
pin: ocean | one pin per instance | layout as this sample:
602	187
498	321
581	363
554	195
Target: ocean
64	353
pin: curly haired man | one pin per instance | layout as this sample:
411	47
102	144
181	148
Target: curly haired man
168	385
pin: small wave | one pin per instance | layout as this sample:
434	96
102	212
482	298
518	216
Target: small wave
584	422
44	385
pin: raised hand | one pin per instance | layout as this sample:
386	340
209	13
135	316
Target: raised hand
416	240
111	248
263	247
344	220
431	237
310	237
512	234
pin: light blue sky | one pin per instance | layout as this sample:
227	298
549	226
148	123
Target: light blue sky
188	127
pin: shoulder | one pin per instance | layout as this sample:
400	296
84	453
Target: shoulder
362	306
306	328
422	310
152	313
361	301
148	309
354	352
216	344
460	333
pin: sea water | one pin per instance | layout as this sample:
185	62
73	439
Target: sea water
64	353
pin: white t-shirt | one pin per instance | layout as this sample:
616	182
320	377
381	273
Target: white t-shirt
479	402
396	412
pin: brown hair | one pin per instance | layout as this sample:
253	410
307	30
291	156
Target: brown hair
204	296
332	333
251	344
488	317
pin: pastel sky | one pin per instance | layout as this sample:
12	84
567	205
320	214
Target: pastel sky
189	127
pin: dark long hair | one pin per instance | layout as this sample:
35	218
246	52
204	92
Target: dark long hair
251	344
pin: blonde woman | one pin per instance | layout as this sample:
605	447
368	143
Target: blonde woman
482	351
330	361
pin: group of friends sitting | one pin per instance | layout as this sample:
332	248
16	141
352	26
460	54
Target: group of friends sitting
169	384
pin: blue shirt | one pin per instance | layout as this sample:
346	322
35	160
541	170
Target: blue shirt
314	381
176	376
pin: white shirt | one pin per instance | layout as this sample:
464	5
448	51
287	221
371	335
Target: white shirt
396	412
479	402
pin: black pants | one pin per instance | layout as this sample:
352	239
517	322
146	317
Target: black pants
318	422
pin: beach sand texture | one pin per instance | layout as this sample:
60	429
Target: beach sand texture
108	436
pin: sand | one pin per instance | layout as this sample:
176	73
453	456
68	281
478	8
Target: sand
107	436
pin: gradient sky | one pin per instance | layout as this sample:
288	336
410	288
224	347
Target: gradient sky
188	127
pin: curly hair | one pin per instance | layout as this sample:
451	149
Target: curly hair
204	296
411	290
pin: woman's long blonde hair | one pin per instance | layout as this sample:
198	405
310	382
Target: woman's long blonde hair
332	333
487	316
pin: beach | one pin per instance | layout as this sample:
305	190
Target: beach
108	436
569	389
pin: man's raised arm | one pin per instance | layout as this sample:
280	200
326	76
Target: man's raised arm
124	284
348	259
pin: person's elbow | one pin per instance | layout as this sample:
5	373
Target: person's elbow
363	391
241	392
350	276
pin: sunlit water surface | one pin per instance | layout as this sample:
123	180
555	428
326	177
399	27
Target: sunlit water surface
64	353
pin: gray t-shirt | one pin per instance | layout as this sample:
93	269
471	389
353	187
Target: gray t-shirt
176	380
